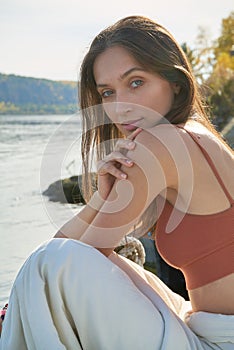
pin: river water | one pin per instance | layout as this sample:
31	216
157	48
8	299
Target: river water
34	152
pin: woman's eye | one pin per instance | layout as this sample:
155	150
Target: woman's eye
106	93
136	83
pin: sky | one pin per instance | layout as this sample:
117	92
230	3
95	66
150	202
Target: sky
49	38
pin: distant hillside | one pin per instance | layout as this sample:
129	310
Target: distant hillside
22	95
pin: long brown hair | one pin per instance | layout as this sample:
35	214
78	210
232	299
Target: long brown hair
157	51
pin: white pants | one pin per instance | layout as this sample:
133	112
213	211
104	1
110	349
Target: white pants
69	296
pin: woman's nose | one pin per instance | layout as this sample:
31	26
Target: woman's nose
122	108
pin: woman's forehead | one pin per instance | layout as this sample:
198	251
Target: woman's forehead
114	61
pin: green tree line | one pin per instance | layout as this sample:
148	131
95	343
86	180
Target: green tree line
213	65
22	95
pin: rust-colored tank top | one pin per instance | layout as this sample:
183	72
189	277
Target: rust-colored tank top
201	246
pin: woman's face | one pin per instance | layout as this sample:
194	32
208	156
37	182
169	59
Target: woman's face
132	96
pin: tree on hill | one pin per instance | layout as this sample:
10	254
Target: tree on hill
221	80
30	95
213	65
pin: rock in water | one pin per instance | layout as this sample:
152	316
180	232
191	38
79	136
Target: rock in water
67	190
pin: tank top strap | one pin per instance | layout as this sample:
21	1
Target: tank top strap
210	162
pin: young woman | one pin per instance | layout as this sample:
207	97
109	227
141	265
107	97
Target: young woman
160	160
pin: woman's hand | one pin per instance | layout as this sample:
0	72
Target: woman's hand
109	168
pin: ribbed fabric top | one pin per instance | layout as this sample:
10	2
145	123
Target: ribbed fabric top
201	246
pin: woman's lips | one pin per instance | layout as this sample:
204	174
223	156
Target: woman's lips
132	125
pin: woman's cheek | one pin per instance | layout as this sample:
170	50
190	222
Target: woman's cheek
109	109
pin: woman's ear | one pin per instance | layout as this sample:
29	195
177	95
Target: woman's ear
176	88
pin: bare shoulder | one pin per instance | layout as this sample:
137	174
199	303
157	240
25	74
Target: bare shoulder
162	139
167	142
207	138
165	146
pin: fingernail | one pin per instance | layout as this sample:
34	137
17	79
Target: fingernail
131	144
128	161
124	176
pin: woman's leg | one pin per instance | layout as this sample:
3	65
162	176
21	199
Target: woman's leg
67	291
69	296
209	331
175	302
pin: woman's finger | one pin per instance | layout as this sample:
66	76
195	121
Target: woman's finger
117	157
127	143
111	169
111	163
124	144
134	134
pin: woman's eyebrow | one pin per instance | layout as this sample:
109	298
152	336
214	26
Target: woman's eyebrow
129	71
124	75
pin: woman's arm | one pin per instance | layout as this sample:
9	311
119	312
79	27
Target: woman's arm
154	171
108	171
75	227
